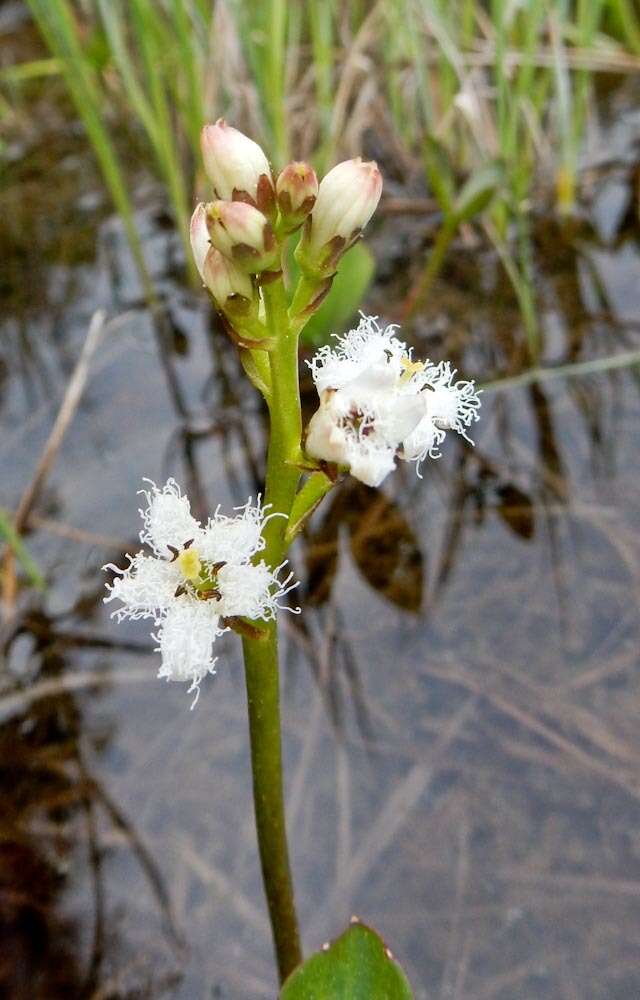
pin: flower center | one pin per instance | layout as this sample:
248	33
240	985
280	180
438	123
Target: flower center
190	565
358	421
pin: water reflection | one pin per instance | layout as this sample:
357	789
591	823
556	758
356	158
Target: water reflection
461	693
381	544
41	795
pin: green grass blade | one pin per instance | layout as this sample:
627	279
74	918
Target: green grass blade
321	28
275	80
32	70
625	12
17	546
190	57
56	23
145	22
111	14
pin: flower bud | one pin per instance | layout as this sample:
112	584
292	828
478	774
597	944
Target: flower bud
200	242
237	166
347	198
242	233
297	190
227	282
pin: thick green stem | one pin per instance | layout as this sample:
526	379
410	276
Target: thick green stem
285	429
261	655
263	701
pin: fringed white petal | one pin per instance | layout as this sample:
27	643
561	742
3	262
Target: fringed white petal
167	519
146	587
185	641
251	591
453	405
372	465
398	414
424	441
233	539
326	439
369	346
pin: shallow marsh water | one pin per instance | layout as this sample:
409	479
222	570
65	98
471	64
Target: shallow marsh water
461	695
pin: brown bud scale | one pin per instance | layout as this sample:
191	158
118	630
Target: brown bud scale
265	195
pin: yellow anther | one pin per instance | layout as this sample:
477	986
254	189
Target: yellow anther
411	368
189	563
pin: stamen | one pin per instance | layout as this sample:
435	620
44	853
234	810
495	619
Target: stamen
210	594
411	368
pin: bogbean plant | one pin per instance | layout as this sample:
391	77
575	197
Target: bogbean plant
377	405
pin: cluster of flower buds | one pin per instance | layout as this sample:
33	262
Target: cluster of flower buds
377	405
238	239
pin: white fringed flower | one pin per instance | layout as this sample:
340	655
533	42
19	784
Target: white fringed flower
197	577
377	404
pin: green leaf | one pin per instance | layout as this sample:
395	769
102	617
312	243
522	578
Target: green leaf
439	173
13	539
477	192
357	966
355	272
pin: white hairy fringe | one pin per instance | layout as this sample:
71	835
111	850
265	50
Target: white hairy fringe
366	420
155	587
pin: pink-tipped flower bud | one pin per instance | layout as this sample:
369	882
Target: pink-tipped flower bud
243	234
227	283
237	166
296	190
200	242
347	198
